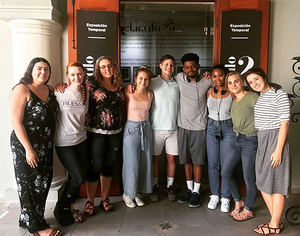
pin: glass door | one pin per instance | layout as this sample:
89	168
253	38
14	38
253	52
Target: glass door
150	30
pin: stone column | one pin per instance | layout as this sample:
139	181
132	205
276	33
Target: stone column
38	38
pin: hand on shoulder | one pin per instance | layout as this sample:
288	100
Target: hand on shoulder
60	87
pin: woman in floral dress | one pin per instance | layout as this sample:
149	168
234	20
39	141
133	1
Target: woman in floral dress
105	136
33	108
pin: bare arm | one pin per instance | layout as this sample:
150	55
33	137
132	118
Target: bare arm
17	102
276	157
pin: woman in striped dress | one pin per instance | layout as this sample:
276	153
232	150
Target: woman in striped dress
271	113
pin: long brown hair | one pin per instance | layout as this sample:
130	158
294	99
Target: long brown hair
116	79
83	84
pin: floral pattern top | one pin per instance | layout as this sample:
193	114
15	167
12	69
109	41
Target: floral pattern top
105	109
39	123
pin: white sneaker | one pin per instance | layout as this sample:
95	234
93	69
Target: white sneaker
128	201
139	202
213	202
225	204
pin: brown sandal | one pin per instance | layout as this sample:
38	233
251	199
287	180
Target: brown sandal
241	216
266	230
106	205
237	210
89	209
281	226
78	218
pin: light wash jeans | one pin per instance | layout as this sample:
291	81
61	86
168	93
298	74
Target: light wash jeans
137	158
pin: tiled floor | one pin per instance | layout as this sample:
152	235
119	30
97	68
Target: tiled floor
162	218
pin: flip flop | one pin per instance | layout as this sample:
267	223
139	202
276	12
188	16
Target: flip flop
237	210
242	217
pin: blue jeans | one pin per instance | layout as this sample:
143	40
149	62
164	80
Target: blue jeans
247	146
221	153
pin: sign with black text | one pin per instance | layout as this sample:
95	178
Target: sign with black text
240	39
96	36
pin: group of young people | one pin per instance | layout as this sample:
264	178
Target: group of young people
211	117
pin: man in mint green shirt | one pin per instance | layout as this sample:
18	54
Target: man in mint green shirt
164	123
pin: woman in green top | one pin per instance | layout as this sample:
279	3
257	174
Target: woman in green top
242	113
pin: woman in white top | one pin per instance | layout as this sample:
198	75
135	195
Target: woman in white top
70	142
138	143
220	141
271	113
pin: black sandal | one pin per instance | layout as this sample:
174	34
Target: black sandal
266	229
106	205
89	209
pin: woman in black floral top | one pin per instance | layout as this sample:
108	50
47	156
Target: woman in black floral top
33	108
104	129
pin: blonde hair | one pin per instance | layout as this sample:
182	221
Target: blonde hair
83	84
238	74
116	79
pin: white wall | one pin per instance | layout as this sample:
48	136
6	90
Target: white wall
285	44
6	67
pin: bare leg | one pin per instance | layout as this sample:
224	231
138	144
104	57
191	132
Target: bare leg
277	209
171	165
91	188
268	200
197	173
105	187
188	169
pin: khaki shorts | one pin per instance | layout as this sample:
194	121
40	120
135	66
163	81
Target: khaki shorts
167	139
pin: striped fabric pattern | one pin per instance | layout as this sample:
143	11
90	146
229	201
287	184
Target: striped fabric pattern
270	109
